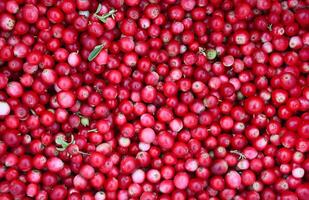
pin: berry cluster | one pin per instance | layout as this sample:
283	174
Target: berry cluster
154	99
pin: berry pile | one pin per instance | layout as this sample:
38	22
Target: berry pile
154	99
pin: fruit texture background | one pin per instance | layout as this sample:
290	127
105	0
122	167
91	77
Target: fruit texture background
154	99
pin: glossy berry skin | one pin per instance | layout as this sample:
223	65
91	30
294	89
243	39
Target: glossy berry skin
154	100
254	105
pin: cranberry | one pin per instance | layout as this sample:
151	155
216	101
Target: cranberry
7	21
254	105
30	13
129	99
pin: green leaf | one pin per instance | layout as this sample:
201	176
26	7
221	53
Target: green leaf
59	140
104	17
64	145
84	121
211	54
95	52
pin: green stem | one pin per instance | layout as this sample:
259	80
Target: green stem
104	17
84	153
241	156
93	130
